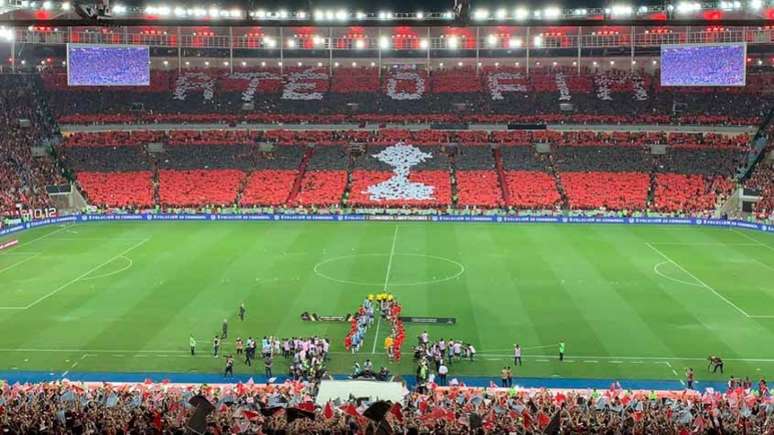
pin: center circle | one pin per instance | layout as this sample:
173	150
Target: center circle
405	270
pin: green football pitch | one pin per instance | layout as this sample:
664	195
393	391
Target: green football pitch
630	301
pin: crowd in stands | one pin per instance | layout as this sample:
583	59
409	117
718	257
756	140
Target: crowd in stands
25	123
476	177
478	170
390	136
65	407
762	180
198	187
326	177
407	94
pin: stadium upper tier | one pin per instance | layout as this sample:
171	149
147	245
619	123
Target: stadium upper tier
406	94
409	94
585	170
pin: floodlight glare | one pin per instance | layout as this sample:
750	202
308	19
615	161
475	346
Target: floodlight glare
521	14
359	44
552	13
423	44
514	43
480	14
491	40
384	43
621	10
452	42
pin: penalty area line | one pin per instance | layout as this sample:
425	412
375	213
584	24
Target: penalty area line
84	275
748	237
703	284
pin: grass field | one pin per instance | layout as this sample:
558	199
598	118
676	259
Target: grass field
630	301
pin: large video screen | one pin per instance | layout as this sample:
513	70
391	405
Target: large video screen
107	65
703	64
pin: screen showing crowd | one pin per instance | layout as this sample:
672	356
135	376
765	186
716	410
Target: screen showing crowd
703	65
100	65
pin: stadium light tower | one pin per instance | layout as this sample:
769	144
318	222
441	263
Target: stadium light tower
461	10
92	10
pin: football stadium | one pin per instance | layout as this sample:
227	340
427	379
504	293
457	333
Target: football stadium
250	217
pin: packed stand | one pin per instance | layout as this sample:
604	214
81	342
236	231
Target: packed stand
401	175
65	407
407	94
762	180
24	177
274	175
472	170
476	177
529	181
325	178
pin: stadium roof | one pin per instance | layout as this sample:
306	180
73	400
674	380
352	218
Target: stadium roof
63	13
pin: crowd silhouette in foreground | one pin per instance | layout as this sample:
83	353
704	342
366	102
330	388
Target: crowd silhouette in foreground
64	407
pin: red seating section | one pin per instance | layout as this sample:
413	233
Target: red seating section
685	193
609	190
195	188
322	188
532	190
269	187
117	189
354	80
461	80
479	188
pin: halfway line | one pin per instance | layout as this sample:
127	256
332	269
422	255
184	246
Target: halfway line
386	282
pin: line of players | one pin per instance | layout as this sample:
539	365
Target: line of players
310	354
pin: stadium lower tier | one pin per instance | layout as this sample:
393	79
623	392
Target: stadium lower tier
382	188
196	188
479	189
688	193
630	191
118	189
609	190
532	189
762	181
270	187
321	188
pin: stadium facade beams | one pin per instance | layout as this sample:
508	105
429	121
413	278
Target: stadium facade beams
432	47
